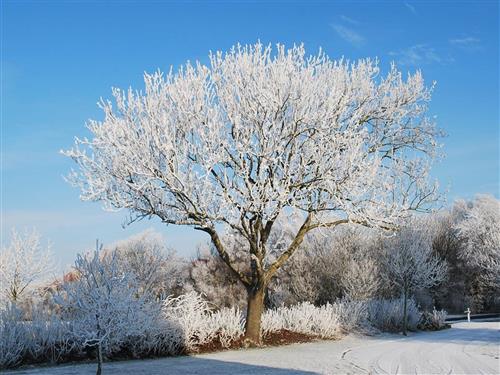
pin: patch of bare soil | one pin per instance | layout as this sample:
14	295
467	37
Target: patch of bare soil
279	338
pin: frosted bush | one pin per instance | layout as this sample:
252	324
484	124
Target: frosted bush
50	338
439	316
434	320
387	315
189	313
303	318
159	337
196	324
229	324
13	337
43	338
353	315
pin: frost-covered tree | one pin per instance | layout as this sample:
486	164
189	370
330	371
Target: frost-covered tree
361	279
103	305
156	269
23	263
410	263
210	277
258	132
479	231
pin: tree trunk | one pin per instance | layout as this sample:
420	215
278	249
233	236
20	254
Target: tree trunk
255	307
99	359
405	312
99	343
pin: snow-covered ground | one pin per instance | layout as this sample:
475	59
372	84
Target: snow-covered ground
466	348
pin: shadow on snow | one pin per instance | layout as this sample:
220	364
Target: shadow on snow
172	365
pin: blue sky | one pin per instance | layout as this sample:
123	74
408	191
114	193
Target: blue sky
58	58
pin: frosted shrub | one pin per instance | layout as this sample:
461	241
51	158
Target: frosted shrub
353	315
229	324
439	316
433	320
42	338
50	338
194	322
156	335
387	315
303	318
189	313
13	336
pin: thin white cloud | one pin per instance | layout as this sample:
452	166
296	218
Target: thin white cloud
349	20
467	43
411	8
419	54
349	35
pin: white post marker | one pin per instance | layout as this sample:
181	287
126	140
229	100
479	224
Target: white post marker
468	314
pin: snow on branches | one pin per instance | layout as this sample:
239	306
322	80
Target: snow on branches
410	263
479	231
23	263
104	305
258	130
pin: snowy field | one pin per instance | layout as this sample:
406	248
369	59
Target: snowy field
466	348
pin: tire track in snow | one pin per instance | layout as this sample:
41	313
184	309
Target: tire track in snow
449	351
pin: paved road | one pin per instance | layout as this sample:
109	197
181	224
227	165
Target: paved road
466	348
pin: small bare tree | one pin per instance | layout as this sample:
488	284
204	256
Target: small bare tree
23	263
255	134
410	264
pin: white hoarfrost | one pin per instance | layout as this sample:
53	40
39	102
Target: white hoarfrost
198	323
304	318
44	337
361	279
188	313
101	310
13	338
259	130
104	306
229	324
